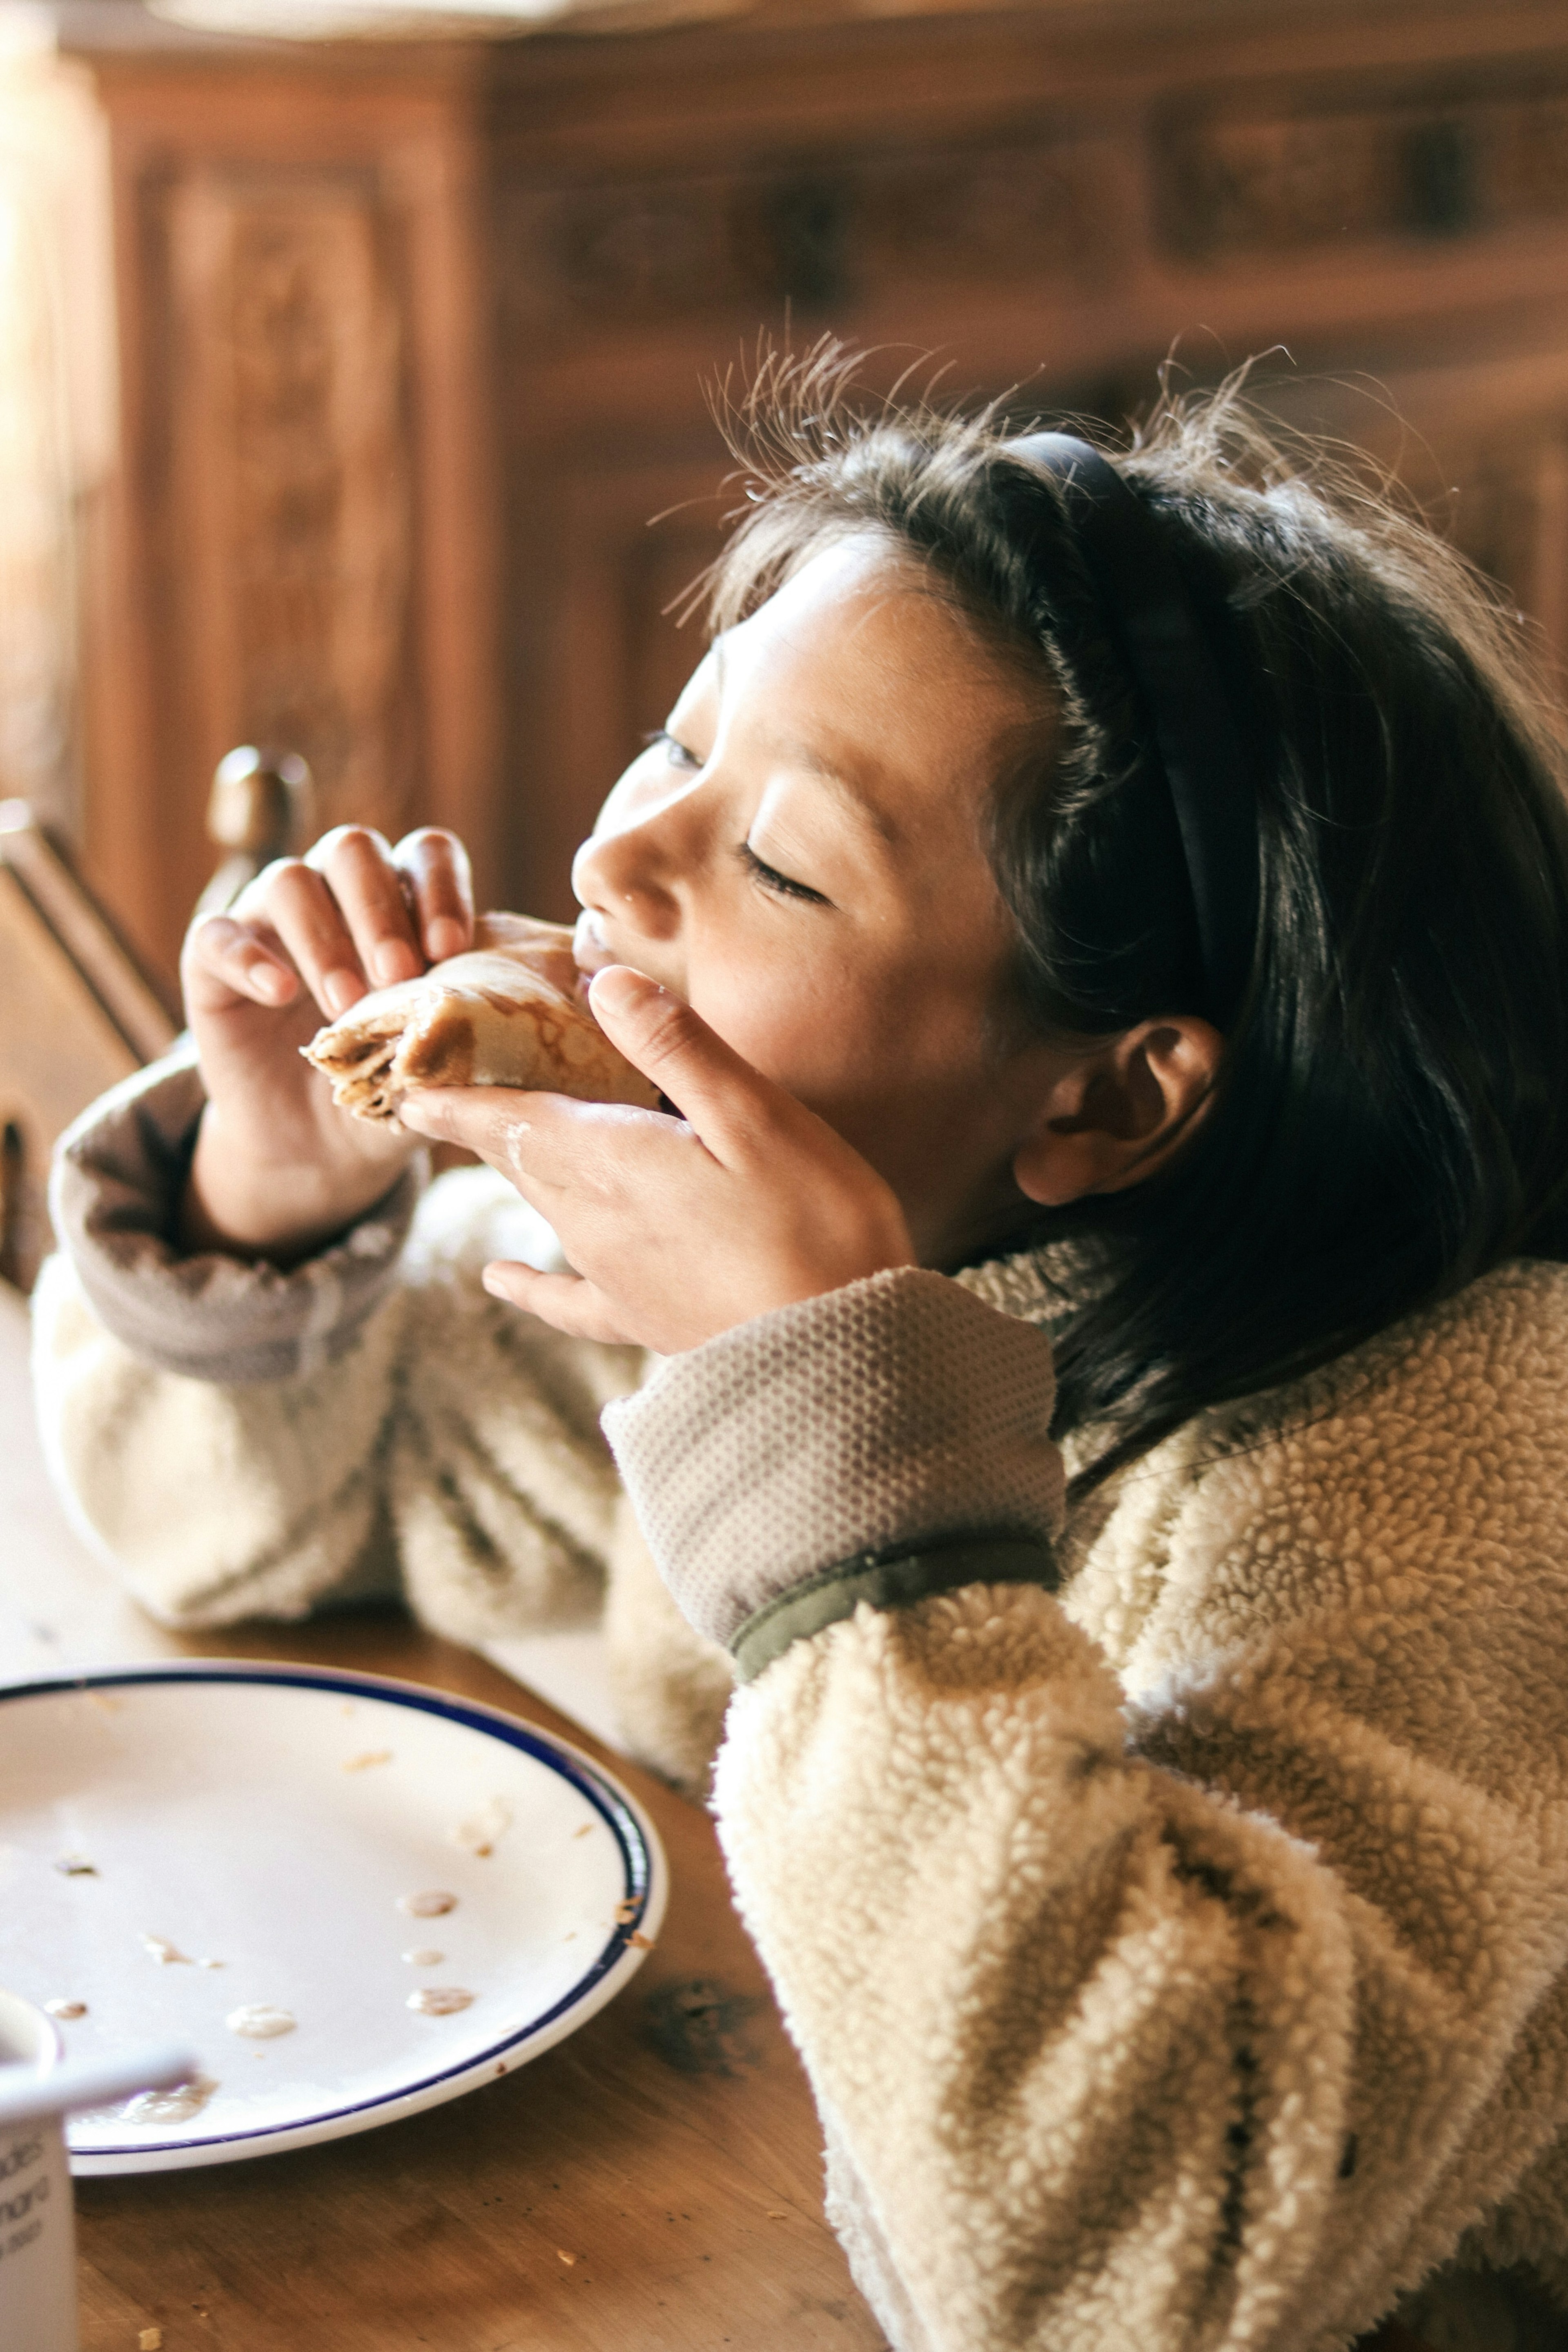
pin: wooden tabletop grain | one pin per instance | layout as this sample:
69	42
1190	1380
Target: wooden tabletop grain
652	2184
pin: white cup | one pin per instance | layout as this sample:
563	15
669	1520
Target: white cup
37	2233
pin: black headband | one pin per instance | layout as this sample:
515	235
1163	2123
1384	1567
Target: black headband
1194	742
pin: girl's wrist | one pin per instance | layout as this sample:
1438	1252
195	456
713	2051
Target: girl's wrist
243	1203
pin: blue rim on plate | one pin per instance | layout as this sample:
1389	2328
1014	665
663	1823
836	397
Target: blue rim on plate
638	1914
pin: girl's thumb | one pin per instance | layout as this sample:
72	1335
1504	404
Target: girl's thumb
671	1045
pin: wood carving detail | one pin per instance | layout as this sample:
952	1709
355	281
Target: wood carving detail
624	254
1238	183
298	480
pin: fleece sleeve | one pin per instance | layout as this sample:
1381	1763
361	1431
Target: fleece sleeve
238	1440
1200	2024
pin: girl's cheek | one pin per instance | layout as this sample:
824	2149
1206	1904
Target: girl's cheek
792	1026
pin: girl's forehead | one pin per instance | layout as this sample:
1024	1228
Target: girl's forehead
863	647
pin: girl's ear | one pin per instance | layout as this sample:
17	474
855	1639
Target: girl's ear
1116	1116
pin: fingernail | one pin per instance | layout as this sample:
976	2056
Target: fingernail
445	937
394	960
416	1114
268	983
341	989
495	1283
618	988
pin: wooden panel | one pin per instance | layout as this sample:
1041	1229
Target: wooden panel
1442	164
1060	154
300	541
292	553
820	232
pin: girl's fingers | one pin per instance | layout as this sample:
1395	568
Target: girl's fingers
352	915
296	903
232	956
544	1144
358	865
565	1301
435	866
728	1102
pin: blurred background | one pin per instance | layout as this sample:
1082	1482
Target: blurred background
348	351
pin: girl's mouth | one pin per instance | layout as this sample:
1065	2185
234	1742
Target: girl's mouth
590	951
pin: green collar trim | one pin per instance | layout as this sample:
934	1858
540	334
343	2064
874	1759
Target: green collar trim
885	1582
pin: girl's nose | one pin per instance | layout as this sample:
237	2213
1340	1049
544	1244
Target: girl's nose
629	872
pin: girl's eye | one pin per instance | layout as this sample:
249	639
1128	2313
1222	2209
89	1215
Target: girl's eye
676	753
768	877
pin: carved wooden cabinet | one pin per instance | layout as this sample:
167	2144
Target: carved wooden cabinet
412	344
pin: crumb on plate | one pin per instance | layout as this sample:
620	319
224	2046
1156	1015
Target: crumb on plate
440	2001
480	1833
164	1953
260	2020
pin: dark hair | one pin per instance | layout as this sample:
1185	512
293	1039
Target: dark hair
1391	1113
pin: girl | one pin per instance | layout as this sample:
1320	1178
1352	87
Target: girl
1104	923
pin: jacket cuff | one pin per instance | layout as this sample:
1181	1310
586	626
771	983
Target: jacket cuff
884	1442
119	1175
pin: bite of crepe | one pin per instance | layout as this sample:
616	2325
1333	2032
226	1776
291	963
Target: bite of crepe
504	1013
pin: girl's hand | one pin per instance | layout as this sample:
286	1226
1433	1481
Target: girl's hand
679	1228
277	1170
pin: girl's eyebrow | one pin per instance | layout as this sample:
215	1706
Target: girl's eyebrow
844	787
813	763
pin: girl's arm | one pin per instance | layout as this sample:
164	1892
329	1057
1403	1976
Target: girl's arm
240	1440
255	1396
1216	2022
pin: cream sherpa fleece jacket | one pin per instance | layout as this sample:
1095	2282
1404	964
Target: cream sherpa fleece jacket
1171	1908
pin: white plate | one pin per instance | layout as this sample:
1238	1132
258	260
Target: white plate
272	1819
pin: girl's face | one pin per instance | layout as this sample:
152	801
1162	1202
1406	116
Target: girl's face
799	855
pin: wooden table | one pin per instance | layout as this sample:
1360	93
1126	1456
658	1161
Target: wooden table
650	2185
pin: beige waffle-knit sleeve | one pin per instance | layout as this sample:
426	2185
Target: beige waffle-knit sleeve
898	1414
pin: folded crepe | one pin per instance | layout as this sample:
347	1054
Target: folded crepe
505	1013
